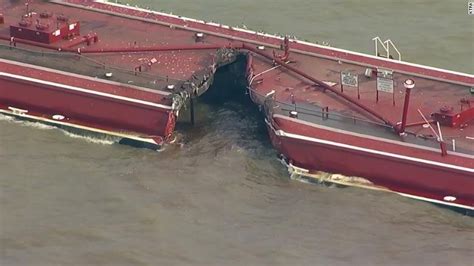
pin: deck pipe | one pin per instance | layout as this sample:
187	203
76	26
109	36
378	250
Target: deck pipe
320	83
117	50
154	48
408	84
401	130
211	47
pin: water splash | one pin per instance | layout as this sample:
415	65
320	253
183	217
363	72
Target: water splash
106	140
6	118
13	120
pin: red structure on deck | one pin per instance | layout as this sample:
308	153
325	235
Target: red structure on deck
45	27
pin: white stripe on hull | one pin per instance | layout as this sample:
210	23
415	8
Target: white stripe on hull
73	88
60	123
371	151
345	132
436	201
69	74
306	173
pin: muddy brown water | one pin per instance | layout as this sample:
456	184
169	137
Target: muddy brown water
223	198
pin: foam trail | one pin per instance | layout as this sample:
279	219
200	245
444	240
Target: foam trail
41	126
37	125
103	141
6	118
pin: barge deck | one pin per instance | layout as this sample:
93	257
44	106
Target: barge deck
128	72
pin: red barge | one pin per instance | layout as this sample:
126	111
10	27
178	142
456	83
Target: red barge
372	121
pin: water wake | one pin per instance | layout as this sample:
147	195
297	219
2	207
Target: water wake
104	140
91	139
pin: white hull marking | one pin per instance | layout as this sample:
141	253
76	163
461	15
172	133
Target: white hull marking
83	77
387	154
73	88
101	131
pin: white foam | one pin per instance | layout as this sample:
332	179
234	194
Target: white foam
107	140
12	119
103	141
6	118
36	125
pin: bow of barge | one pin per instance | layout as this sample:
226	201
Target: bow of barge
127	72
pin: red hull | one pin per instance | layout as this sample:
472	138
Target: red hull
408	170
92	108
179	61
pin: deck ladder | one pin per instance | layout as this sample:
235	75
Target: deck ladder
386	47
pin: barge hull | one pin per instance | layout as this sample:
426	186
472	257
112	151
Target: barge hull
316	148
92	110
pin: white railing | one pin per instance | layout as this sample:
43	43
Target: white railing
386	47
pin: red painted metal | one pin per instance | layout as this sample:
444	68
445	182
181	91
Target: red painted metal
253	38
14	40
109	112
414	178
157	48
44	28
451	119
87	39
418	123
286	48
161	48
405	110
321	84
182	60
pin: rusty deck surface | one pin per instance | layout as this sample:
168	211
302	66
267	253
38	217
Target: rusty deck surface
170	54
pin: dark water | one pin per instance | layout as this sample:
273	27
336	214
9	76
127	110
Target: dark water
222	198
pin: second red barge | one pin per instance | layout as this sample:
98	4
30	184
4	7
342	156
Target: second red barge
126	72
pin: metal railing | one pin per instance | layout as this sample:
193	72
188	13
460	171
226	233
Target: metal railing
386	48
324	116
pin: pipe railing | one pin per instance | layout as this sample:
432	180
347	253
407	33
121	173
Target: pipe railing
316	112
388	44
386	47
